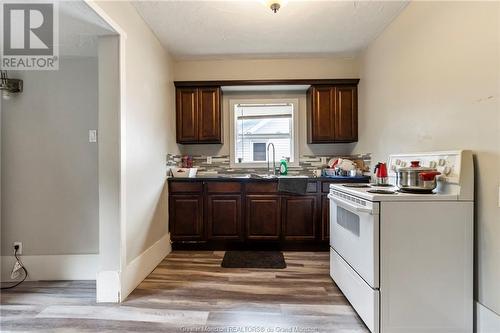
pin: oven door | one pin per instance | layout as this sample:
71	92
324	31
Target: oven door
354	234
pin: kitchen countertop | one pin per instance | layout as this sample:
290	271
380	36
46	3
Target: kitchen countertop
230	178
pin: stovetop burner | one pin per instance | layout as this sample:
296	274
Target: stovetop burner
382	185
415	191
382	191
357	185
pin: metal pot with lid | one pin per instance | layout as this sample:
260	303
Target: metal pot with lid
416	178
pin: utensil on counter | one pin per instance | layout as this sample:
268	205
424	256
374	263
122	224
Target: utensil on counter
416	178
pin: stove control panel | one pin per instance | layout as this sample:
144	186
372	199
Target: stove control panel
448	163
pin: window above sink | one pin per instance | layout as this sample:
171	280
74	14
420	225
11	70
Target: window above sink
257	122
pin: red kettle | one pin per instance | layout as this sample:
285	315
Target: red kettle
381	173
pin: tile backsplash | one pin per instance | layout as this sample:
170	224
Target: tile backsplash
221	164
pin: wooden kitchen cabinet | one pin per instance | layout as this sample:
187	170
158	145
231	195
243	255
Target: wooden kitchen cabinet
346	114
299	217
263	217
332	114
325	218
186	217
224	217
198	115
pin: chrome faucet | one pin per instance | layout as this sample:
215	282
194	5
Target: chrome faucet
274	158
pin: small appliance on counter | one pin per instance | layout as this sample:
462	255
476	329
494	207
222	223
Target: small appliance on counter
381	175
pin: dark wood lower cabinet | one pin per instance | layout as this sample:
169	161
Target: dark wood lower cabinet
325	218
186	217
263	217
224	217
299	217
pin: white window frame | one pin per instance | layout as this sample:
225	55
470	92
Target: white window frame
295	131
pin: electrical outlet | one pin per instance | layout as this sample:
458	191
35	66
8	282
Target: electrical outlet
20	244
209	159
92	136
323	160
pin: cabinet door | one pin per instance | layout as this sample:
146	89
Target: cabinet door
263	217
325	218
209	115
346	114
224	217
186	217
187	115
299	218
322	115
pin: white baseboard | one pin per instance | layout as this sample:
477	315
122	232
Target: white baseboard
139	268
54	267
487	321
108	287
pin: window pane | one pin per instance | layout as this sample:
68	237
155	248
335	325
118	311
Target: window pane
258	125
259	151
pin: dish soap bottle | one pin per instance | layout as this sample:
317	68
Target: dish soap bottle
283	167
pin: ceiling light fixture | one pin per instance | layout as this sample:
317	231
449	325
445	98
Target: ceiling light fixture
274	5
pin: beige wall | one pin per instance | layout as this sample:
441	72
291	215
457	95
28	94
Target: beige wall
431	82
248	69
49	169
259	69
149	129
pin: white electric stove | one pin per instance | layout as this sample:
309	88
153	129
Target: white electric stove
403	260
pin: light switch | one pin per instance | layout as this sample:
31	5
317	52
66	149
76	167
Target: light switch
92	136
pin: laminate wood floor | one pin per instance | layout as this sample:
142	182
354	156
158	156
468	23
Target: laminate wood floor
190	292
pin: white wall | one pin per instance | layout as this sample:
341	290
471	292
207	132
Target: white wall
431	82
49	169
149	132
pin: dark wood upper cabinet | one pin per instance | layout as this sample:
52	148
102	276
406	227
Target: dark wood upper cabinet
322	116
187	115
224	217
332	114
186	217
299	218
209	115
263	218
346	114
198	112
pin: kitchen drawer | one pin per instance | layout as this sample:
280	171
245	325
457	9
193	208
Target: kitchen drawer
224	187
186	187
364	299
262	187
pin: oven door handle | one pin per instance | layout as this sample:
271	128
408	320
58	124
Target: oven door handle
349	205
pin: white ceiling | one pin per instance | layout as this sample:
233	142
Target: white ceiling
246	28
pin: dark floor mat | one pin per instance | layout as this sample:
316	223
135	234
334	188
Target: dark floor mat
254	259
